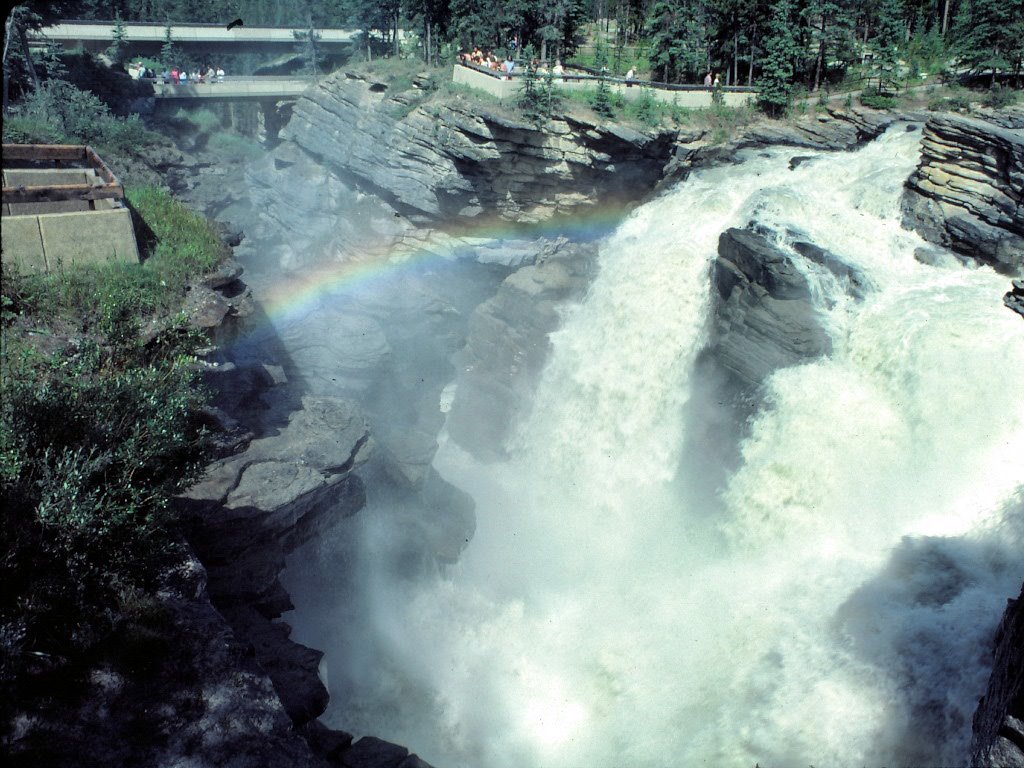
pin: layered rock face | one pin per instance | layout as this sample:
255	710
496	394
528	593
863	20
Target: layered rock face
252	508
999	721
763	318
508	344
450	161
968	192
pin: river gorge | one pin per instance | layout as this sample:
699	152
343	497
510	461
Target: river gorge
668	452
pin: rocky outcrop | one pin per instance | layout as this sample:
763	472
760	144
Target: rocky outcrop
507	345
1014	298
832	130
764	318
252	508
968	192
446	160
175	686
998	740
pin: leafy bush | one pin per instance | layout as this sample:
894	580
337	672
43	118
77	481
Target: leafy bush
95	444
60	112
99	429
876	100
999	96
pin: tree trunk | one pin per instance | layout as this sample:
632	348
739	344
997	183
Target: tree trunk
735	58
28	57
750	69
398	48
820	63
945	16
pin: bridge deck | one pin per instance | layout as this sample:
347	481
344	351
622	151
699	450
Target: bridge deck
235	88
189	33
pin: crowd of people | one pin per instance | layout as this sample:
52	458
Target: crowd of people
178	75
488	60
478	58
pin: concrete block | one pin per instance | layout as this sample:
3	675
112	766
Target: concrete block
22	243
93	237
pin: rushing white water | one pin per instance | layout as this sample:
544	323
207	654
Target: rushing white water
834	608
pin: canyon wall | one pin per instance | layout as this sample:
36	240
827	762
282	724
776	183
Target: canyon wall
968	192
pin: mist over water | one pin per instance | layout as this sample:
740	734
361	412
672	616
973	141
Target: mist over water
832	604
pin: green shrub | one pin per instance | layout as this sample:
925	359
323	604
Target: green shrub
99	430
95	444
876	100
60	112
1000	96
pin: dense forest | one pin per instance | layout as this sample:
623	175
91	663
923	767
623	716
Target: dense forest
807	43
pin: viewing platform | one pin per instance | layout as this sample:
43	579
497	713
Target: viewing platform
686	96
62	205
254	88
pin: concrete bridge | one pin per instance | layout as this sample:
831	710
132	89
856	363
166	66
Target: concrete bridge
209	38
251	88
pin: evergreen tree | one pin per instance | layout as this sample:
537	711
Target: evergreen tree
530	97
168	52
602	102
831	31
309	48
118	50
780	50
889	34
990	35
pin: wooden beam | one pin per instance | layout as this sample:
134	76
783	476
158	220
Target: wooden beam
44	152
58	192
105	173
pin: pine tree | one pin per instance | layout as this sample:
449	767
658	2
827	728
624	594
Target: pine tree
780	49
118	50
888	36
989	35
530	97
309	48
168	52
602	99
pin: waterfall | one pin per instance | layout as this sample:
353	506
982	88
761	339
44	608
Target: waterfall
833	608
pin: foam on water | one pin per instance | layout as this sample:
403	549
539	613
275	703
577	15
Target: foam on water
833	611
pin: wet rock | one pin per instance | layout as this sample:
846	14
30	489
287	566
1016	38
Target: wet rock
507	345
998	739
252	508
1014	299
967	194
853	279
449	161
764	318
175	687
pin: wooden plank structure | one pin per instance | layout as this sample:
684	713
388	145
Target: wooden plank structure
58	154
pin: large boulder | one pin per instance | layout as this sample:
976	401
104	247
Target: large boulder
967	194
764	318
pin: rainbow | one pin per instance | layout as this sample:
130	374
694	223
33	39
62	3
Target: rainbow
296	293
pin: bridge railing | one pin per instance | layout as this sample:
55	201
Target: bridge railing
583	77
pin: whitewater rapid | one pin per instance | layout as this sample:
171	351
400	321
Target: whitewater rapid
832	606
